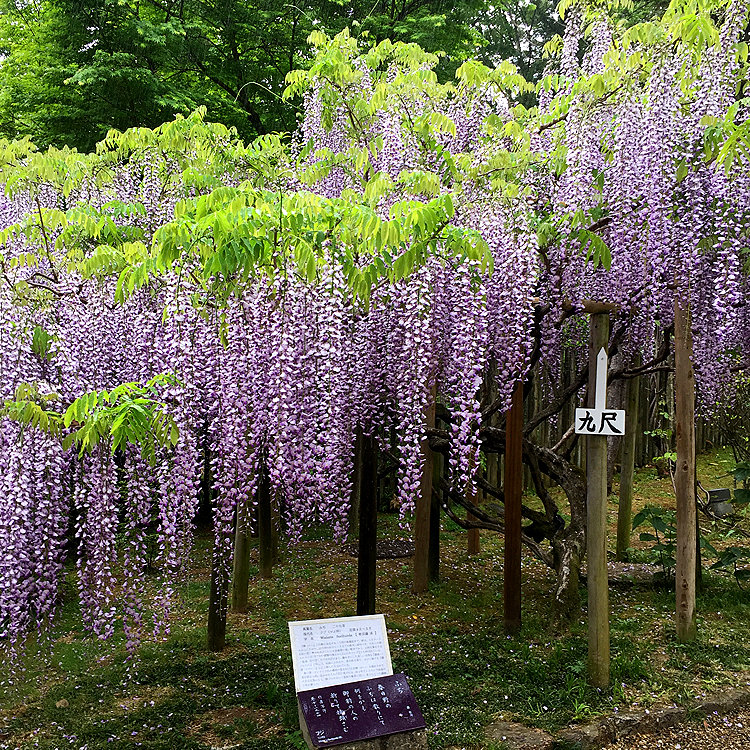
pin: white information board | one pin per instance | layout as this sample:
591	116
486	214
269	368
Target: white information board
600	420
339	650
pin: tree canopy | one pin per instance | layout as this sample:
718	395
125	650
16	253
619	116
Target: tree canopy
73	70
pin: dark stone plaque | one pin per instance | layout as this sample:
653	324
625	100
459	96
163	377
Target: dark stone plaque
719	502
717	496
360	711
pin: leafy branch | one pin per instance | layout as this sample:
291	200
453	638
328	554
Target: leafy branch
130	414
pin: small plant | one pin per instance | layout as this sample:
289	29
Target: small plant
736	559
581	710
664	536
664	462
296	740
663	549
663	438
741	475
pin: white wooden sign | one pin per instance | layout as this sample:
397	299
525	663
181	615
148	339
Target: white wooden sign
600	420
338	650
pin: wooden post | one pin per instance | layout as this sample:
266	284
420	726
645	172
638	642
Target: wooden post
698	554
423	507
642	441
241	563
433	558
276	526
368	528
627	472
684	474
512	491
217	605
616	398
493	465
356	485
265	523
596	523
472	536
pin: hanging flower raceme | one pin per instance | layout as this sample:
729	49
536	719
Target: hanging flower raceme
33	520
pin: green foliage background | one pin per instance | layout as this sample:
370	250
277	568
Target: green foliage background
71	70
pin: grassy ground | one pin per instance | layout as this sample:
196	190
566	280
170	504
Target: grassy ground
79	693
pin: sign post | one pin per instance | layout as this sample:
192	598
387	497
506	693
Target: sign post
596	423
346	691
599	420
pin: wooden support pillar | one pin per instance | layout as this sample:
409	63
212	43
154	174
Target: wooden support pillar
472	535
368	528
684	474
266	552
627	472
241	562
643	441
356	485
596	523
276	526
433	561
423	507
217	605
513	490
493	467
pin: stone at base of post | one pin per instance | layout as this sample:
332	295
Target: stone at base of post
416	740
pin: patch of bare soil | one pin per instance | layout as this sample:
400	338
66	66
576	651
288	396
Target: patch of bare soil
387	549
146	695
217	728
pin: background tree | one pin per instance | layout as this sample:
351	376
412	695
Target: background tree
74	69
518	31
